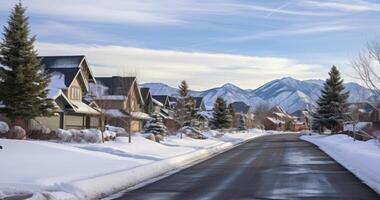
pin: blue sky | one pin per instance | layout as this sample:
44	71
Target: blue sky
206	42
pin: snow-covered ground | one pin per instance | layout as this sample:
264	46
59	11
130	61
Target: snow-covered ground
361	158
52	170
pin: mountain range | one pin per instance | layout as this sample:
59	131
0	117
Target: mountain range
289	93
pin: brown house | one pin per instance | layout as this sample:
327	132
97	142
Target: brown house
70	80
121	102
242	109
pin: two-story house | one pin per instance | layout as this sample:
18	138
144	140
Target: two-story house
244	110
70	80
121	101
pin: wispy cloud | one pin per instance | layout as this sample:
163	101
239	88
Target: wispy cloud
346	5
202	70
301	30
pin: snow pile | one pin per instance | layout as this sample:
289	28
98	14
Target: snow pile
361	158
4	128
73	135
93	170
119	131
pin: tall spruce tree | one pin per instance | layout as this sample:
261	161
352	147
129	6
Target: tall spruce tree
23	81
221	114
331	103
184	110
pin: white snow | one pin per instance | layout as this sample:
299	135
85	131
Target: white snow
56	84
361	158
90	171
4	128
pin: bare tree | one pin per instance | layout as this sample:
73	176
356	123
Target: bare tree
261	112
367	65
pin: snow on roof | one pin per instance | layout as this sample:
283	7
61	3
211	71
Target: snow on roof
115	113
140	115
275	121
61	61
81	107
157	103
206	114
56	84
112	97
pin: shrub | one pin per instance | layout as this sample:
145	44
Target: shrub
16	132
4	128
41	133
63	135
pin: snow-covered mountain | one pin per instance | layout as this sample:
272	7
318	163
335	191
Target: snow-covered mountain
290	93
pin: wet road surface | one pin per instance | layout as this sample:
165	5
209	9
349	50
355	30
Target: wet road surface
270	167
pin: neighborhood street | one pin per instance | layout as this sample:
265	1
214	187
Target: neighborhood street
270	167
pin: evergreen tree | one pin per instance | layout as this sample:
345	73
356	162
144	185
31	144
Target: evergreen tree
184	110
155	125
221	114
331	103
242	125
23	86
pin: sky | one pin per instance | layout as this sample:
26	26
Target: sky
206	42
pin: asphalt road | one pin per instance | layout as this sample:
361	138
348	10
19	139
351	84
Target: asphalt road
270	167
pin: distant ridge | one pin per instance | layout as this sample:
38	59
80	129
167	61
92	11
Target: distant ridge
289	93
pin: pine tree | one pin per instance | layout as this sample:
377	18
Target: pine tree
242	125
221	114
155	125
331	103
184	110
23	86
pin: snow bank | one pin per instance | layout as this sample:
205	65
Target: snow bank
361	158
91	171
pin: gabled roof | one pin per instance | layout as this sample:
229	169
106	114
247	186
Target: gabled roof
69	66
62	61
69	74
240	107
199	103
145	92
164	99
117	85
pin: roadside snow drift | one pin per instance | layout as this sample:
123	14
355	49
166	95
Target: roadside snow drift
49	170
361	158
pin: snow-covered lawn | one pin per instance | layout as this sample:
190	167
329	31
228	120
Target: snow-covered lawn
361	158
52	170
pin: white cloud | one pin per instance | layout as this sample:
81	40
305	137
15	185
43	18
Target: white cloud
300	30
346	5
202	70
166	12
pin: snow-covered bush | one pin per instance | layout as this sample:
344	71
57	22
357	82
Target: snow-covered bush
109	135
16	132
41	133
86	135
4	128
149	136
64	135
119	131
92	135
155	125
158	138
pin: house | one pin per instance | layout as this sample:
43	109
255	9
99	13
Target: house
301	120
121	101
202	122
70	80
242	109
365	116
278	120
148	100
